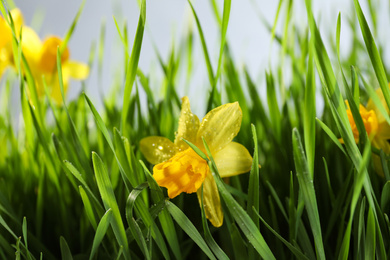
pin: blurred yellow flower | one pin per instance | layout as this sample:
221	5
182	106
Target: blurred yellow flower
41	57
378	129
180	169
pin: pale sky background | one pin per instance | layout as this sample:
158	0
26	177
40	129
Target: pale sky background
166	23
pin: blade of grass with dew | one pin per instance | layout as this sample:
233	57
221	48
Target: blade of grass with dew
132	66
182	220
164	217
101	230
218	252
109	201
66	254
309	196
373	53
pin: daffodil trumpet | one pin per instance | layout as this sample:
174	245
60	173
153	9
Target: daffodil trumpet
180	169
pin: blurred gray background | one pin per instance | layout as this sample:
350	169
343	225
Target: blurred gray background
167	22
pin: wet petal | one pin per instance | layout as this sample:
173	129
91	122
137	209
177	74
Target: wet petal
75	70
211	201
188	126
184	172
157	149
220	126
232	160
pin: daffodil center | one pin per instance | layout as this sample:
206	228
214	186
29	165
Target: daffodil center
184	172
48	57
370	122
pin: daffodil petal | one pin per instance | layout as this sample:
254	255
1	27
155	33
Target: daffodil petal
232	160
31	46
211	201
75	70
188	126
220	126
5	33
157	149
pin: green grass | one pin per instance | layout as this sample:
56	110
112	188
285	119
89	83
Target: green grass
74	184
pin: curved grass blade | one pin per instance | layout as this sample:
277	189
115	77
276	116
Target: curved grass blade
254	183
149	223
309	196
109	201
189	228
65	251
292	248
101	230
134	228
309	116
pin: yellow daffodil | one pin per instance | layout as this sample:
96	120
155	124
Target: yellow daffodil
180	169
378	130
46	65
41	57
